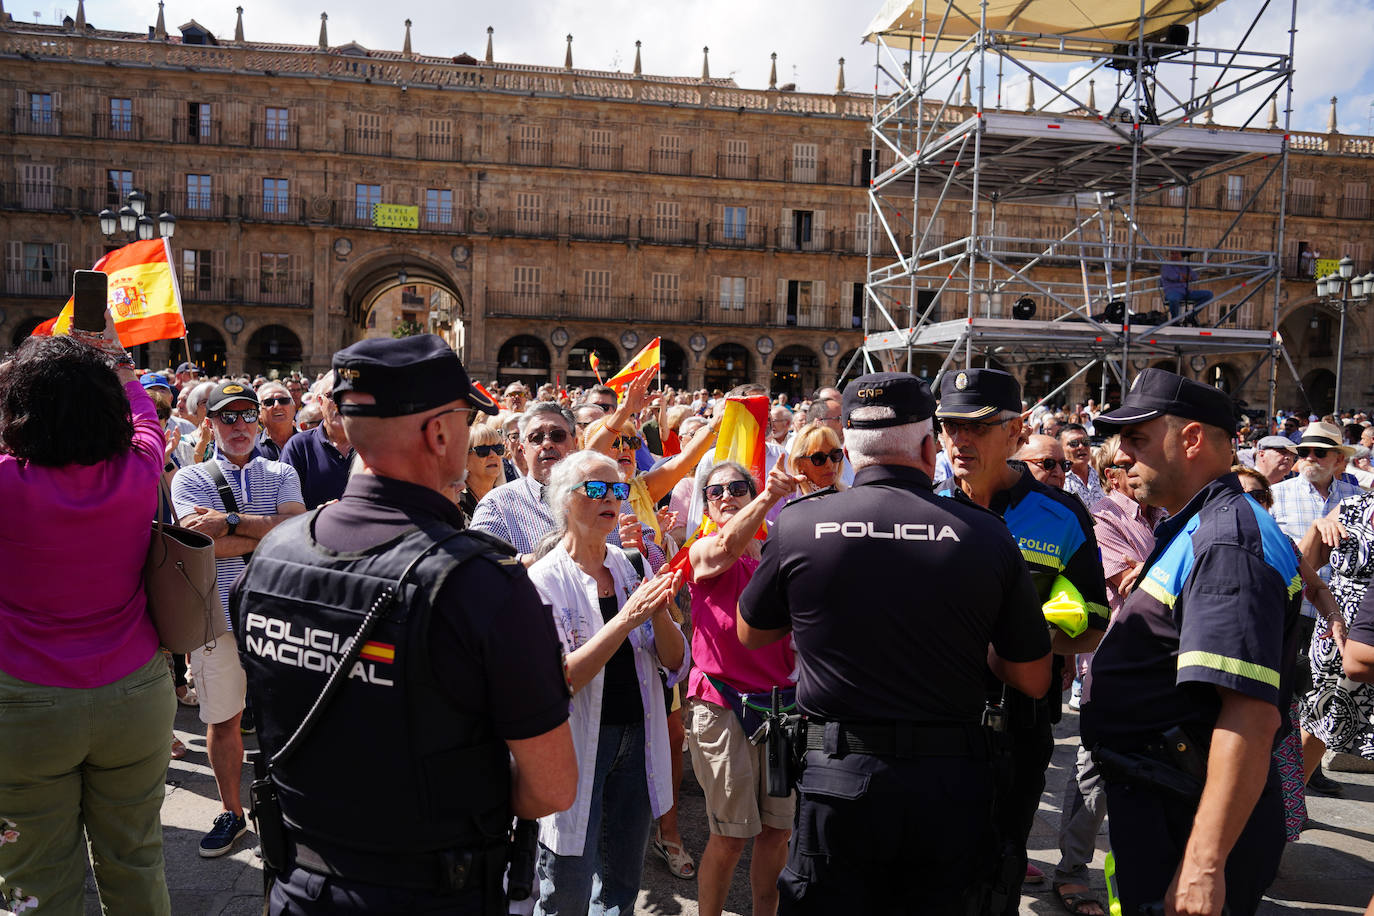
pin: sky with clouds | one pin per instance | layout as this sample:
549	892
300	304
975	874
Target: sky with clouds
1332	57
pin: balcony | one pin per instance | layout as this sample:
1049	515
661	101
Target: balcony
293	294
730	165
207	288
39	197
1305	204
439	149
354	211
529	152
528	223
36	284
607	158
442	218
116	127
274	135
1230	198
272	208
734	235
792	238
367	142
1299	268
37	123
1353	208
855	241
668	231
670	161
193	204
804	172
665	310
604	228
196	131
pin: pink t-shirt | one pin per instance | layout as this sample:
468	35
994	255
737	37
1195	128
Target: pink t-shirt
72	608
716	649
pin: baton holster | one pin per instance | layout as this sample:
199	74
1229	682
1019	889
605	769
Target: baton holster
265	811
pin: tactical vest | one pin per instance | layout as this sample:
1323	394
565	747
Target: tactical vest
392	767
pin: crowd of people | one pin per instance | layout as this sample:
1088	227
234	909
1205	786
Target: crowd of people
580	502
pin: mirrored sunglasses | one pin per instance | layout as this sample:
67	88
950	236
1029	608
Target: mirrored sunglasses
627	442
230	417
597	489
1049	464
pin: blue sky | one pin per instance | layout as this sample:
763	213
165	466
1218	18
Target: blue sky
1333	55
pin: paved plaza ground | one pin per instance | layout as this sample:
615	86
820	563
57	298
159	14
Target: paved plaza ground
1330	871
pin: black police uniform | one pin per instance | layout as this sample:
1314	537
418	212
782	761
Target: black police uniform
1215	605
398	799
893	595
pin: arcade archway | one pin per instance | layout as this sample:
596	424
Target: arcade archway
796	373
727	365
523	359
273	351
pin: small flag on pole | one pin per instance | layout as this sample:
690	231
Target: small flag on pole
144	298
595	362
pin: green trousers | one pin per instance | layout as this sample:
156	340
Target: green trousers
85	770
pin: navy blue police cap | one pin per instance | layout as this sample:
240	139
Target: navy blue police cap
404	376
970	394
1157	392
908	396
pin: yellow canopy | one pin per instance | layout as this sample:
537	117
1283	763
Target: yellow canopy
1092	26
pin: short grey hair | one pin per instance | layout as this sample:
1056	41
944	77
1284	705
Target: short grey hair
867	447
265	386
198	396
545	408
566	475
324	388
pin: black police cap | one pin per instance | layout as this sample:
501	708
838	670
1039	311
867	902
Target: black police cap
908	396
1156	392
968	394
405	376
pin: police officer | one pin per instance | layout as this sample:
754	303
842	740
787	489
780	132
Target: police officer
892	658
449	710
1188	688
980	428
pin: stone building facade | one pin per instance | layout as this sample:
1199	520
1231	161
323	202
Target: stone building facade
532	214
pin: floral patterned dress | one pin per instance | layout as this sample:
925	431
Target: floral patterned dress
1338	710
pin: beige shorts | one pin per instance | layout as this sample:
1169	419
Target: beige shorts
220	681
732	776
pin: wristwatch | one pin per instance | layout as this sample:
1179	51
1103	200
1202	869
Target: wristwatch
233	519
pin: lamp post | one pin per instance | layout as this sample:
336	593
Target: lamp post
1341	290
133	220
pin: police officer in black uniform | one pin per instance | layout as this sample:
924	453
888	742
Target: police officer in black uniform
1190	685
894	596
448	712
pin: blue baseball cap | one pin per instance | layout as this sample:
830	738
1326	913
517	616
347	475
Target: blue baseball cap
155	380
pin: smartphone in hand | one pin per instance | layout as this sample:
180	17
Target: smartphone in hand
90	295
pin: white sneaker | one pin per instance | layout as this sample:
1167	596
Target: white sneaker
1076	695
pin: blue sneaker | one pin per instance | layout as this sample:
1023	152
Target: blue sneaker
221	837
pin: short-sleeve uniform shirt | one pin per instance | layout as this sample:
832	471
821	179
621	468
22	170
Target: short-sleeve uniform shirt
260	487
893	595
1213	606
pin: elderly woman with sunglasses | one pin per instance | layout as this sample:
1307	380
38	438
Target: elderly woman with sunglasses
486	448
616	632
817	457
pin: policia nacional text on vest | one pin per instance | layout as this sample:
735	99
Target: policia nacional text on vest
436	783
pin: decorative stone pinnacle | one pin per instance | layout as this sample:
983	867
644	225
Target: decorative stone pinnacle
160	29
238	26
324	34
639	69
839	83
705	64
1331	119
405	47
773	71
81	15
567	57
489	31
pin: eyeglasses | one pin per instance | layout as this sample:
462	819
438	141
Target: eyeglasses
230	417
716	491
608	408
597	489
1077	443
953	428
820	458
273	402
555	436
1313	452
1049	464
482	451
632	443
1122	467
470	411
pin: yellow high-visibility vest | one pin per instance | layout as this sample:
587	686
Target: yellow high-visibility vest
1066	608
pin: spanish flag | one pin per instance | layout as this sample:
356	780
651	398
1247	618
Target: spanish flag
144	298
643	361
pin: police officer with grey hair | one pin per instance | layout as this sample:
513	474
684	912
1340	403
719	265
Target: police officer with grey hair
891	684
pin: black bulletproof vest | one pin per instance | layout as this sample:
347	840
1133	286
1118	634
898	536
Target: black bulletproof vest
391	766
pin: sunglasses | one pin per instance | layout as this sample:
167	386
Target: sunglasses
1311	452
1121	467
482	451
597	489
716	491
555	436
230	417
273	402
820	458
1077	443
1049	464
627	442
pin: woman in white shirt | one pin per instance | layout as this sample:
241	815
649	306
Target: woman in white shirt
616	632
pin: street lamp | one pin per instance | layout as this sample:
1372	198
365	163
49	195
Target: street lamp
1342	290
133	220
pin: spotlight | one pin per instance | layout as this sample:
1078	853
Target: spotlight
1023	309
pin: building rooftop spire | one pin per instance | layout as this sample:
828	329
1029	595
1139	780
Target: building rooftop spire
705	64
639	69
1274	113
324	33
839	82
238	26
1030	94
773	71
1092	95
966	95
567	55
160	30
489	31
405	48
81	15
1331	118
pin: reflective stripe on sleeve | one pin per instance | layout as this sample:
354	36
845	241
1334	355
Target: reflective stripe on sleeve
1158	592
1198	659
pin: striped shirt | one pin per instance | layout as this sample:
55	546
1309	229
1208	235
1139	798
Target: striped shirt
1297	504
260	487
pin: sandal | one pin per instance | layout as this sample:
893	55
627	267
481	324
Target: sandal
1077	903
673	855
178	749
188	698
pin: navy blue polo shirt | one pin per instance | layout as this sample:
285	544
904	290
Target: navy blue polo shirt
322	469
1213	607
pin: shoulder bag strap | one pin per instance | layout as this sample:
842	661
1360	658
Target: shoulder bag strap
226	493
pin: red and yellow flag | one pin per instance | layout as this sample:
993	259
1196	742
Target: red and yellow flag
144	298
643	361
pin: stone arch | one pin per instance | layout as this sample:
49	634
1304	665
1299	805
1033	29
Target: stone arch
728	365
208	349
796	372
401	282
272	349
1320	387
672	364
523	358
579	361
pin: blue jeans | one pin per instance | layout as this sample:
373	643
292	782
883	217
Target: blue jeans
604	880
1196	297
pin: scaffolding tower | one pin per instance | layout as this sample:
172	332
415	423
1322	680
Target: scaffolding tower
1014	237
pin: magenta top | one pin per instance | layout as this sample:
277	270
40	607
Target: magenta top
716	649
72	546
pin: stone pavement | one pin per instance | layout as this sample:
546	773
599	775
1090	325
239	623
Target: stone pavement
1330	871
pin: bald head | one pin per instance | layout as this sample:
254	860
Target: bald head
1037	452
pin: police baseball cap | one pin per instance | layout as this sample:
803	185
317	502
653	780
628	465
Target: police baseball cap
1282	443
969	394
908	396
155	380
405	376
1157	392
227	392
